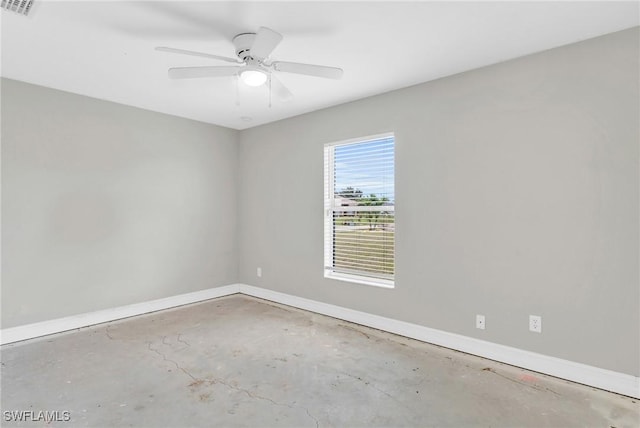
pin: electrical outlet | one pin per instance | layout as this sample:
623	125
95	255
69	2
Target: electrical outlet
535	323
259	272
480	322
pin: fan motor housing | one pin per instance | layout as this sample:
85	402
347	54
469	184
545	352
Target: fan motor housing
243	43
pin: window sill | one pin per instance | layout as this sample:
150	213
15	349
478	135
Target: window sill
365	280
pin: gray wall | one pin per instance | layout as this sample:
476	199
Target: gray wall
105	205
516	192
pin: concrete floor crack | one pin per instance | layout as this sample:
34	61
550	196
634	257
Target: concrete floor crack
369	384
312	417
106	331
260	397
366	382
182	340
536	387
178	366
355	329
250	394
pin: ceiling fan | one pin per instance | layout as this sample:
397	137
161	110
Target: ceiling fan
254	67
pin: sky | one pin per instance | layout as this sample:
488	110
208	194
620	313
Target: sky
368	166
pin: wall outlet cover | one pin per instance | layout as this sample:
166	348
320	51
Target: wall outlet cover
535	323
480	322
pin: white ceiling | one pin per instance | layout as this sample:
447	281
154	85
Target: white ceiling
104	49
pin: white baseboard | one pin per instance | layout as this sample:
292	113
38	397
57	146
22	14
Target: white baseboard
30	331
593	376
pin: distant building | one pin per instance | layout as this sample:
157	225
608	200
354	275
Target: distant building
345	202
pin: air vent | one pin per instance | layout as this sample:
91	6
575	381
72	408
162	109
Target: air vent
18	6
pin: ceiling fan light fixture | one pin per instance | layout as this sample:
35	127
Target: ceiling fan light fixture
253	77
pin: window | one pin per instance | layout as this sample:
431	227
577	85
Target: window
359	202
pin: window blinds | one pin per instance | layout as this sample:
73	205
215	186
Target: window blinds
359	208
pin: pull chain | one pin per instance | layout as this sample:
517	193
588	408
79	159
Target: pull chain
270	91
237	91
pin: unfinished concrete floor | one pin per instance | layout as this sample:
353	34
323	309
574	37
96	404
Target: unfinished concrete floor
240	361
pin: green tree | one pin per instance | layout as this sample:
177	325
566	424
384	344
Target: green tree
372	216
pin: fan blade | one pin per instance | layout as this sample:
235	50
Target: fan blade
280	90
308	69
265	42
195	72
192	53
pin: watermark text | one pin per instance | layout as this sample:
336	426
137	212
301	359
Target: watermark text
36	415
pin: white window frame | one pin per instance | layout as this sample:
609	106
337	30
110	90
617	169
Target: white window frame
330	208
